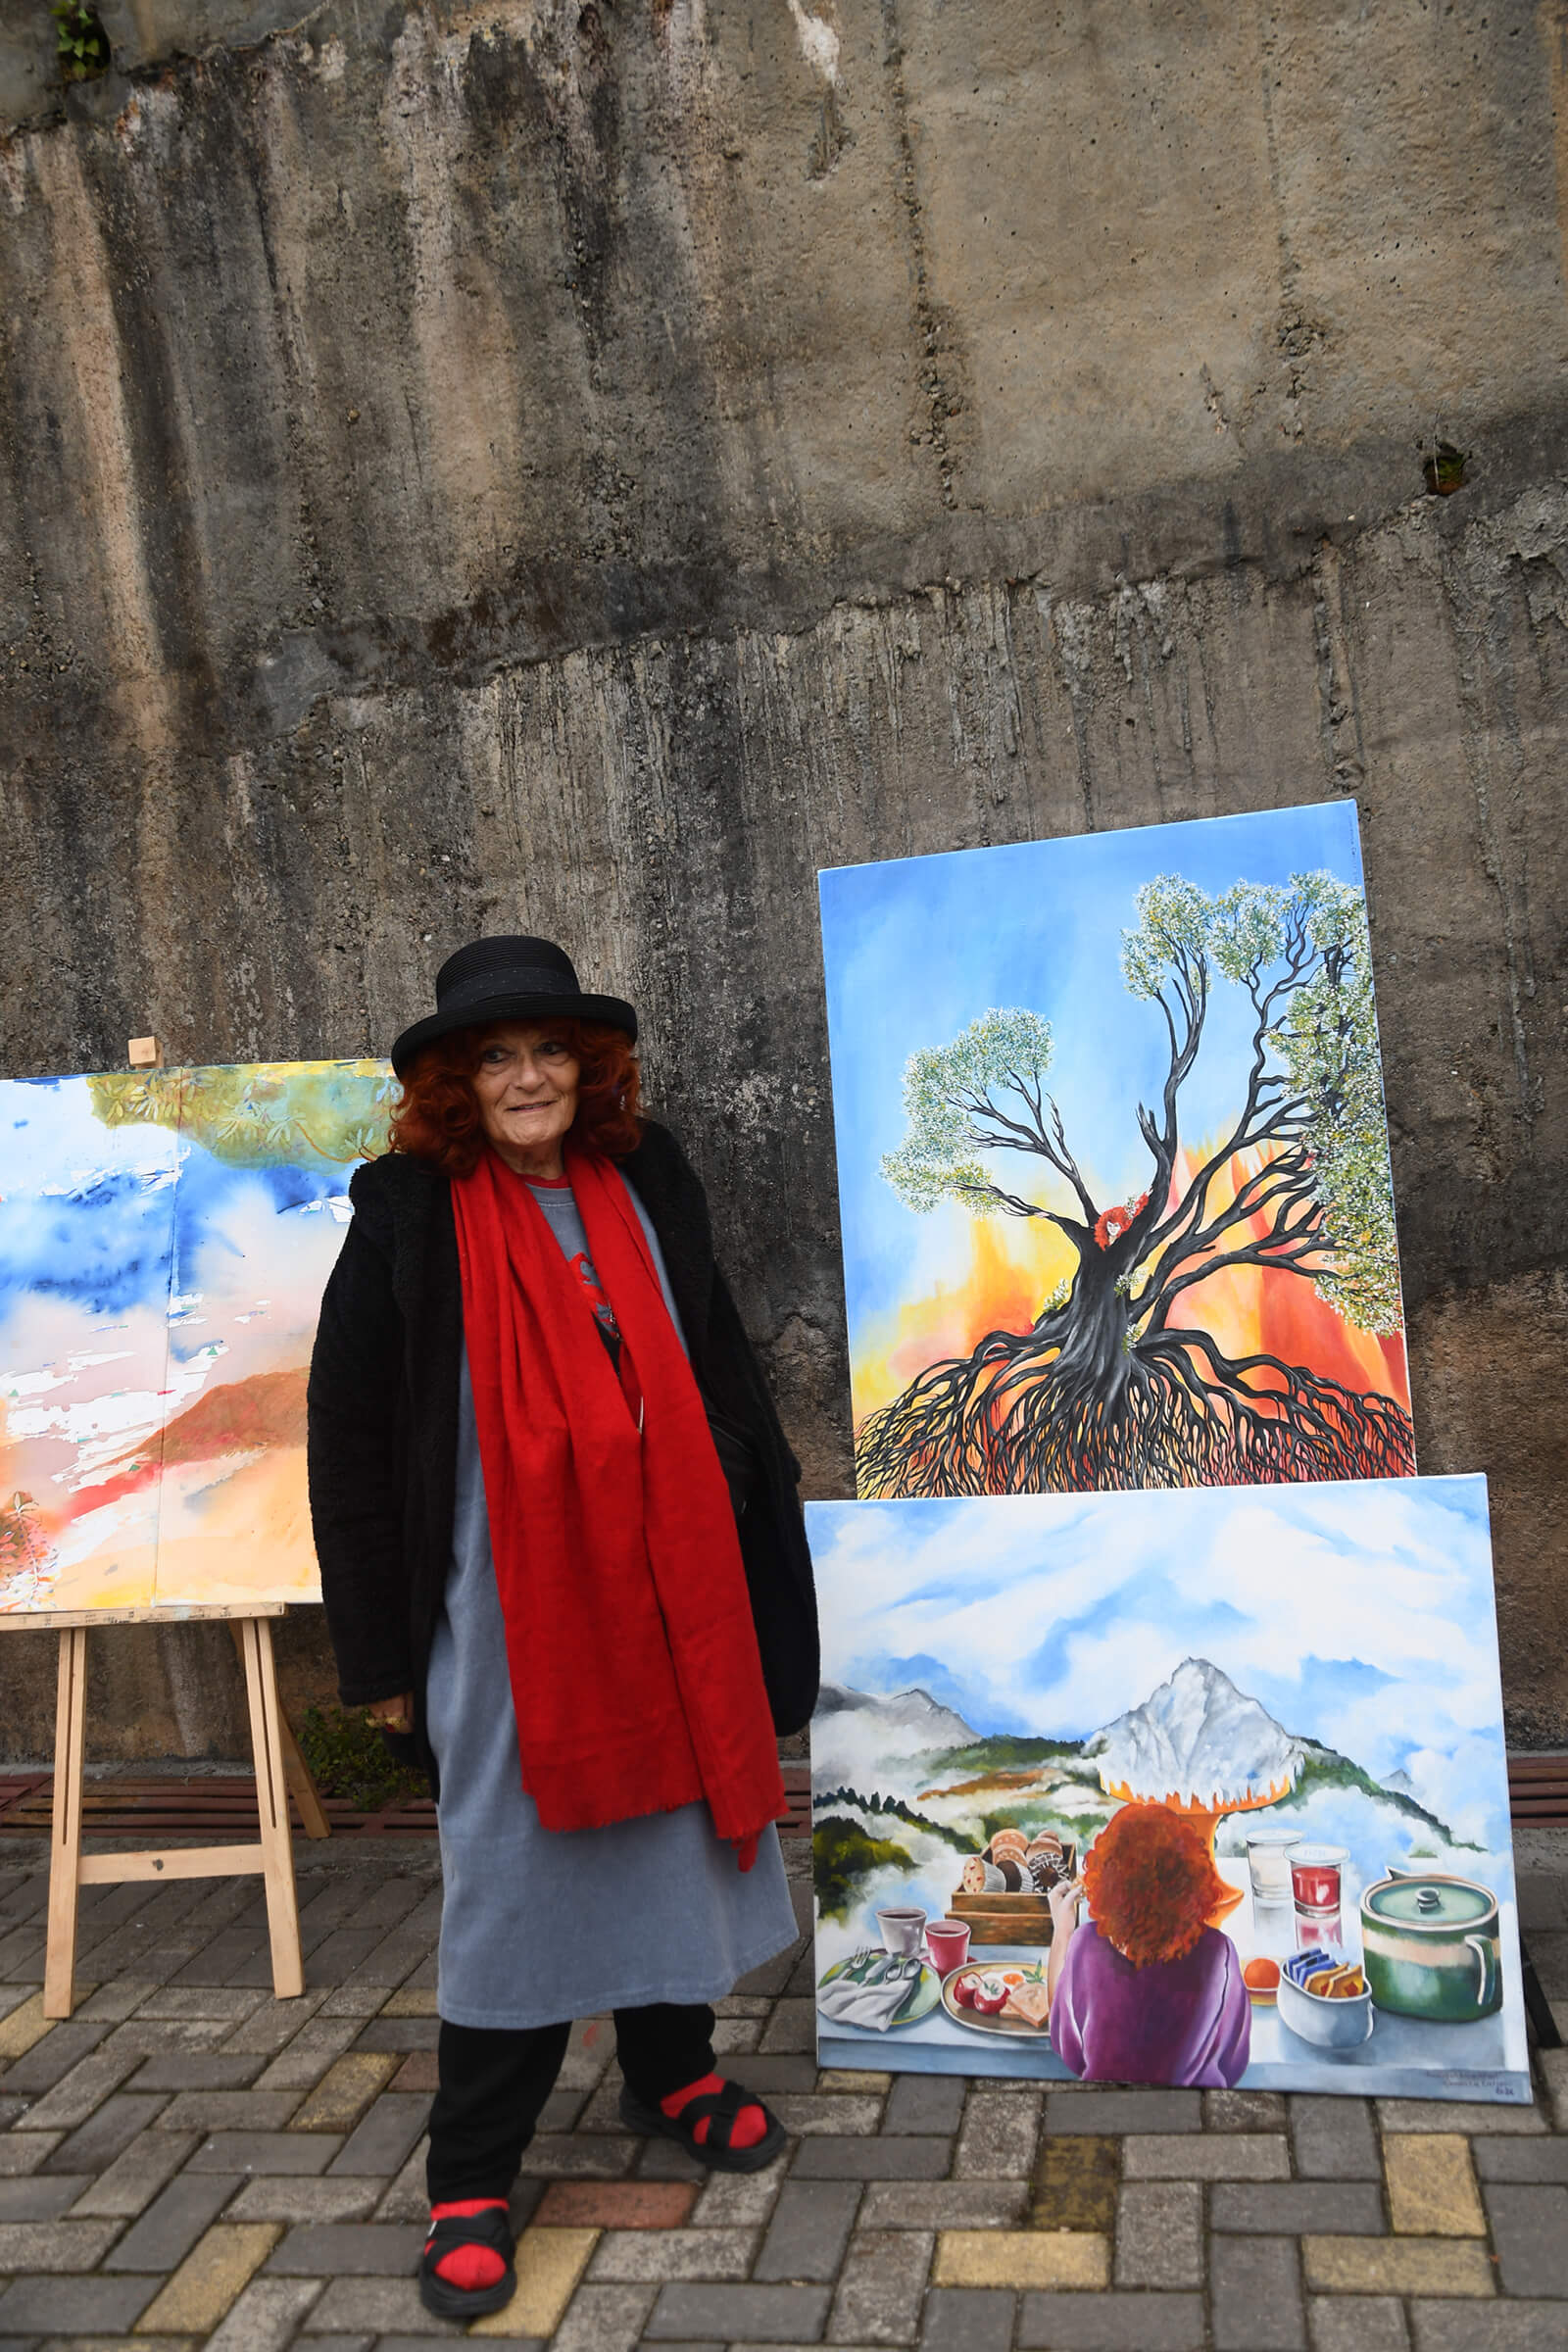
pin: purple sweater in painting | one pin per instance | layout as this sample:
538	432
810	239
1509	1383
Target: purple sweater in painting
1184	2021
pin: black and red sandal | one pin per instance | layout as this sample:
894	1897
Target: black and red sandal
720	2108
491	2229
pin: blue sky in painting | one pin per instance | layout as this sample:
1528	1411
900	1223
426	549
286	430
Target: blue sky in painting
915	949
1360	1615
88	1208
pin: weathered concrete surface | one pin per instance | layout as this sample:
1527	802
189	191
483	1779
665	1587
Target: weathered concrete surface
586	469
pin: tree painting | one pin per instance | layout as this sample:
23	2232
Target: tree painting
1117	1383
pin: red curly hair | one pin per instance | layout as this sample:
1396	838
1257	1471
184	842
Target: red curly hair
438	1117
1151	1884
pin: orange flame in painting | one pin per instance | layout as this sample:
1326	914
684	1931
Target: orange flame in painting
1200	1809
1015	1265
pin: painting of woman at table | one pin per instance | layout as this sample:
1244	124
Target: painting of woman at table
1145	1990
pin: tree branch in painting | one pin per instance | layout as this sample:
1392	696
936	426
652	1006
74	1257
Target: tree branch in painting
1118	1383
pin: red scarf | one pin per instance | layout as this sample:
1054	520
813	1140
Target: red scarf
632	1654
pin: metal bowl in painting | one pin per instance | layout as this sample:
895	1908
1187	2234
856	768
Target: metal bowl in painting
1430	1947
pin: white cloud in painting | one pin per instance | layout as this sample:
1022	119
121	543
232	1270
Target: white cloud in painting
1361	1616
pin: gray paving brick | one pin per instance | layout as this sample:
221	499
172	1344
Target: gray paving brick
392	1959
1333	2139
49	2060
102	2139
216	1960
792	2026
1112	2112
767	2075
1456	2115
229	2110
277	2197
690	2313
120	1998
1292	2208
1206	2156
1521	2159
305	2059
881	2286
1000	2130
25	2151
1244	2111
944	2205
405	2201
631	2255
38	2197
1357	2324
879	2159
265	2316
570	2156
1473	2327
384	2307
604	2319
173	2223
138	2173
199	2070
967	2319
1255	2289
926	2103
384	2133
810	2230
53	2245
73	2306
347	2250
269	2027
398	2033
1112	2323
1159	2233
77	2093
1530	2230
266	2152
203	2000
153	2036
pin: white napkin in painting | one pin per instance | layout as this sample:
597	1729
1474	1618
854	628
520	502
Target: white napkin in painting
874	2003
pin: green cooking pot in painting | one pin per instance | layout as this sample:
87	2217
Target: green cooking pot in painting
1430	1947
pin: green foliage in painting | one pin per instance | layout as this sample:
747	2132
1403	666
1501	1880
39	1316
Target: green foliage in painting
259	1114
842	1855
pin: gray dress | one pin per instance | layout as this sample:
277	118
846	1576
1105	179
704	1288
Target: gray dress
542	1925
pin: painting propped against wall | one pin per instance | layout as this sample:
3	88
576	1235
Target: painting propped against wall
165	1239
1203	1788
1113	1168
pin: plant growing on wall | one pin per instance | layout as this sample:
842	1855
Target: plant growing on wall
1117	1383
82	41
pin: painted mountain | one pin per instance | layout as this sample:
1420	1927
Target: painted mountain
901	1785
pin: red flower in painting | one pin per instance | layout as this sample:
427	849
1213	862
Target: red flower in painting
1112	1223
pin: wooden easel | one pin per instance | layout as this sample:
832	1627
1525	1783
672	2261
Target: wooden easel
275	1749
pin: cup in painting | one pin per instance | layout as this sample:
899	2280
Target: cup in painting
1268	1862
903	1931
1315	1876
948	1942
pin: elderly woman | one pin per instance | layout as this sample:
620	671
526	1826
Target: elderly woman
563	1555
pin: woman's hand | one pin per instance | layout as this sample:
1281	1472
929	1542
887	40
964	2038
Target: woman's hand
393	1714
1064	1903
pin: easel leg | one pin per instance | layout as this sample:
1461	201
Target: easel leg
272	1794
64	1839
312	1814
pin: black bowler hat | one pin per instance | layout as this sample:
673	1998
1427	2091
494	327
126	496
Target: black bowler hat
508	980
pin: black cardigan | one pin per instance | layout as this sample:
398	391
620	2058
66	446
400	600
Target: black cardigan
383	1429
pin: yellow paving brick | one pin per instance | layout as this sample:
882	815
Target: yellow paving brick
417	2002
346	2090
849	2078
1395	2266
550	2263
1022	2258
209	2278
1432	2186
22	2027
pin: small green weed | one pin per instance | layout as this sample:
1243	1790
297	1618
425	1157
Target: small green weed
348	1758
83	44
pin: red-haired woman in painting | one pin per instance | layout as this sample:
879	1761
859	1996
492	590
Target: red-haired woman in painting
1147	1992
563	1558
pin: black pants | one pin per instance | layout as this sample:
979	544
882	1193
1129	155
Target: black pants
493	2084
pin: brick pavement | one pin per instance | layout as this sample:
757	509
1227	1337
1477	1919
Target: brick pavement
188	2162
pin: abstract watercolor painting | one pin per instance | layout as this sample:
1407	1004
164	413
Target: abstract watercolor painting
1113	1166
1204	1788
165	1239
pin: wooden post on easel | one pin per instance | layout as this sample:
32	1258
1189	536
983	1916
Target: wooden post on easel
305	1795
271	1857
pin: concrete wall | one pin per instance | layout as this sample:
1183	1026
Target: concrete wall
585	468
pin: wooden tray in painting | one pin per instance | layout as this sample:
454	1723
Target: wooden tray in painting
1003	1918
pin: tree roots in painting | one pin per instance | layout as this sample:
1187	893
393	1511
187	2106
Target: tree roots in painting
1014	1419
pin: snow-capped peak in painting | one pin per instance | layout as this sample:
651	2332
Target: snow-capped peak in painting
1197	1741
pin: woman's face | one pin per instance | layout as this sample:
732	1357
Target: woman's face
527	1083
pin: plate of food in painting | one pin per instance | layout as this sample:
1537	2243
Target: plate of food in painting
1006	1997
877	1989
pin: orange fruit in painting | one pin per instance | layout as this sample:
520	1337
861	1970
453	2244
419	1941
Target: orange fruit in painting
1261	1975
